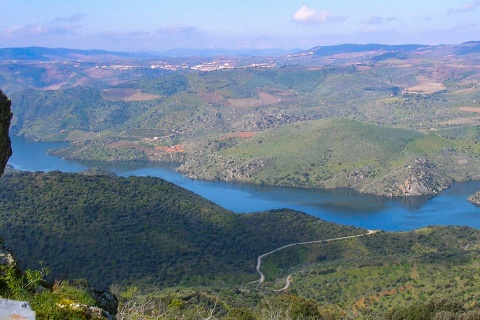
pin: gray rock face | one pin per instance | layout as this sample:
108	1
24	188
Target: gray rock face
10	309
5	117
420	178
106	301
7	258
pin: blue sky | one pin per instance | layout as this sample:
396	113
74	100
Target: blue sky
159	25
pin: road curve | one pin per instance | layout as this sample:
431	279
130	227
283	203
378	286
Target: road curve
259	259
287	284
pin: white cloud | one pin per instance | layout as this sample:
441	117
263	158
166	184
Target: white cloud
58	26
468	6
310	16
36	30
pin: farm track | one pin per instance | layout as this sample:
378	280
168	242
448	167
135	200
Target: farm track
288	281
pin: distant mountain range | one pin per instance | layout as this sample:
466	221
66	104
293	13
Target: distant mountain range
44	54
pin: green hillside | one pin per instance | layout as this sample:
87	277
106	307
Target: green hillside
140	230
335	153
413	275
200	119
166	251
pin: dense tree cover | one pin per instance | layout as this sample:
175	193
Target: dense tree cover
139	233
113	229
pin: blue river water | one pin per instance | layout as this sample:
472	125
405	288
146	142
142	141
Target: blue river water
343	206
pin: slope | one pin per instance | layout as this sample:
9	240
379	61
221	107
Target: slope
139	230
334	153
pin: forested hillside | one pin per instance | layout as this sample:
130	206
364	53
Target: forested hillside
140	230
144	235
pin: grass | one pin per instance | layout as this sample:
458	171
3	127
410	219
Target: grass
315	151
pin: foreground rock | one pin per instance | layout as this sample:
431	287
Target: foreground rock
10	309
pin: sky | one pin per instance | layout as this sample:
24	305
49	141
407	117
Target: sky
161	25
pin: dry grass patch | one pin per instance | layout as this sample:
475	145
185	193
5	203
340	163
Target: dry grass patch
363	68
239	135
427	87
211	97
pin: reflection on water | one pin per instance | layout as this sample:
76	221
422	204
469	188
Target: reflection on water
340	205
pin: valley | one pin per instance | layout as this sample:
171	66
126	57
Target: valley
398	123
221	124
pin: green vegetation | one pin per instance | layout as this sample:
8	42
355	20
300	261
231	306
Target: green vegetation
356	125
61	300
412	275
167	252
123	117
140	230
385	122
337	153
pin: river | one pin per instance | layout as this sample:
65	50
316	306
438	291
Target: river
343	206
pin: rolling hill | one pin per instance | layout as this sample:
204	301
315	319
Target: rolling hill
140	230
166	251
335	153
167	111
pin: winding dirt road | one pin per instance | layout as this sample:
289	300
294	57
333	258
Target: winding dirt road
259	259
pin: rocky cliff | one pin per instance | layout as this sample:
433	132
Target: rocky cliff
5	117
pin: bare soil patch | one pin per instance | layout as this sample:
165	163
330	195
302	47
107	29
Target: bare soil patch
123	94
81	81
460	121
363	68
171	149
470	109
99	73
239	135
54	86
142	96
211	97
263	100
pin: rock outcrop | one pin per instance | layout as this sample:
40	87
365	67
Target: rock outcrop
5	117
7	258
475	198
421	177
